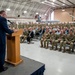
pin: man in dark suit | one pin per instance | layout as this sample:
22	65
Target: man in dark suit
3	30
30	35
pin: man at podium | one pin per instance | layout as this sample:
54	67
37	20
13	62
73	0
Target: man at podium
3	30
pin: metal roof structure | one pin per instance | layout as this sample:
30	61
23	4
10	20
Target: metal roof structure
29	8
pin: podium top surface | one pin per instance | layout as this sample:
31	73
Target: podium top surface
19	32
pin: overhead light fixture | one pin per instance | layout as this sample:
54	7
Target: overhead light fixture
45	14
8	9
42	2
63	4
37	13
25	11
63	9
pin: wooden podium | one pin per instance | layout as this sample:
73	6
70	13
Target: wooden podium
13	48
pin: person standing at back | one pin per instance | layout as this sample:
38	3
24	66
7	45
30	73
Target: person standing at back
3	30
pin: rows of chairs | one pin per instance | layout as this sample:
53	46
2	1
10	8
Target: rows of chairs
61	37
46	34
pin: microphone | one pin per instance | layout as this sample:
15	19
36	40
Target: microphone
10	21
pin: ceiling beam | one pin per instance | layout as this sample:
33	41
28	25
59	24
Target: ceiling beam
65	8
22	7
63	3
33	8
70	2
27	9
38	5
48	5
2	4
54	2
17	5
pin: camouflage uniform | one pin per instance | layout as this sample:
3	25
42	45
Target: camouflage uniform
44	40
68	41
52	39
47	40
61	41
24	36
73	44
56	41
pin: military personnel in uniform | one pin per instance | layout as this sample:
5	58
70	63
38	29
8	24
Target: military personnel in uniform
73	43
47	40
57	35
61	40
52	39
44	38
69	41
24	36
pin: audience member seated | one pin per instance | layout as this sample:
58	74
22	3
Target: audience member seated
30	35
57	36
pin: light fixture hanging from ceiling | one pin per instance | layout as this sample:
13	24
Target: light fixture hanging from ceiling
37	13
63	9
25	11
8	9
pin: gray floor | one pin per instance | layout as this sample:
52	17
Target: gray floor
27	67
56	63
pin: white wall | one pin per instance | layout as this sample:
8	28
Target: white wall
52	15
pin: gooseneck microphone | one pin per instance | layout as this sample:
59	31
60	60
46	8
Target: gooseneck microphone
10	22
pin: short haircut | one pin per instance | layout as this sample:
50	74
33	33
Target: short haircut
2	11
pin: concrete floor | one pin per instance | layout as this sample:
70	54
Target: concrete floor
56	63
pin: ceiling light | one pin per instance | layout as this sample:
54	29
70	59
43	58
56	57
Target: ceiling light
42	2
25	11
8	9
63	9
36	13
45	14
63	4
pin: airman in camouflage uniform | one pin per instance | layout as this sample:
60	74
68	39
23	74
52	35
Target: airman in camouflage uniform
44	38
24	36
69	41
52	39
73	42
47	40
61	40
